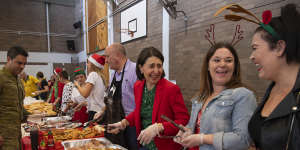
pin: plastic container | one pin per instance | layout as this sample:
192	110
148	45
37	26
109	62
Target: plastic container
76	143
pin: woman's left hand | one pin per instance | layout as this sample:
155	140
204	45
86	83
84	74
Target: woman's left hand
147	135
181	135
77	107
191	141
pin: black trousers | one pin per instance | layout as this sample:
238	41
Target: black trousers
130	138
91	115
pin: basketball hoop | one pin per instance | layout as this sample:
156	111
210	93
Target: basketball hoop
129	32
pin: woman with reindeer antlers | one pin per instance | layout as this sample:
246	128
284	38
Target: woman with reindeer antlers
222	108
275	125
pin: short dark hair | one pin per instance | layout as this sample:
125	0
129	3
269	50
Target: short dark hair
13	52
64	74
40	74
143	56
287	26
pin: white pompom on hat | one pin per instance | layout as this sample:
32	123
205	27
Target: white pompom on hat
97	60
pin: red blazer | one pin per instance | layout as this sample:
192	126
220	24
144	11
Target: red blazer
168	101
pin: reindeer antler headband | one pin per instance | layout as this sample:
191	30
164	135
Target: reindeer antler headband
266	16
210	35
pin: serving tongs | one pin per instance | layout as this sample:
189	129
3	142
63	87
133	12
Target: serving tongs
86	124
175	124
171	121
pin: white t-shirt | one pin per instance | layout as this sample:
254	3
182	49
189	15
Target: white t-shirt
76	97
96	97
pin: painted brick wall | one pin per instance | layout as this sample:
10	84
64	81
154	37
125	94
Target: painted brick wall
188	45
154	30
30	16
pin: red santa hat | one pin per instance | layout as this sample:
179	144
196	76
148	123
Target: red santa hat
97	60
57	70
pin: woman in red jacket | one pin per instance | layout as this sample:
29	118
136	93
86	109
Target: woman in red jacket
154	96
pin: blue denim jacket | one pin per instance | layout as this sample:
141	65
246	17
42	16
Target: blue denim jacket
226	117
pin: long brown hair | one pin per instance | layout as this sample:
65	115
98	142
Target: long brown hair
101	73
206	87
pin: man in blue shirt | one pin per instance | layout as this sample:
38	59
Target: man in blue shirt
122	80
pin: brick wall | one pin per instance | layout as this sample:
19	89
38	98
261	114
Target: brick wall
154	30
30	16
188	45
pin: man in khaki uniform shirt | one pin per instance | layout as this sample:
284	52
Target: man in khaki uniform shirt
11	99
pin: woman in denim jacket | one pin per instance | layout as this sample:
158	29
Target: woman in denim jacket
223	107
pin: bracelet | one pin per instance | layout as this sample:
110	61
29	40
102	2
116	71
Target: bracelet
159	128
201	138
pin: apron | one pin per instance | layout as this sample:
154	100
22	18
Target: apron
114	109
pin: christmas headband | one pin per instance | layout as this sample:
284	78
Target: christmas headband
266	17
210	35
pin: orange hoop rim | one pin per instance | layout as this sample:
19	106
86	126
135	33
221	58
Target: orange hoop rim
131	33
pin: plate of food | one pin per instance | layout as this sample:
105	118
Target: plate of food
115	147
93	143
77	133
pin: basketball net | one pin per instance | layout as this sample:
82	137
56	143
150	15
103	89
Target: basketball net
129	32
